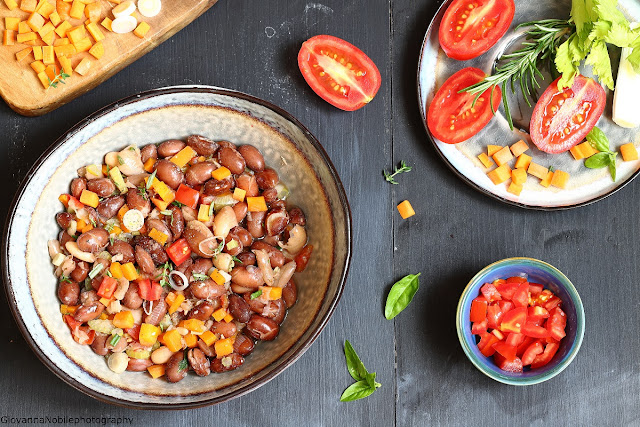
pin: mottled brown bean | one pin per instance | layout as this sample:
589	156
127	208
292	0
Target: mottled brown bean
144	261
201	311
77	186
275	310
64	220
278	204
262	328
296	216
154	248
270	195
276	257
227	144
94	240
99	345
132	298
148	152
80	272
207	289
276	221
255	224
214	187
64	237
247	276
232	361
170	148
199	362
237	249
173	371
199	266
88	297
69	292
240	209
169	173
290	293
176	221
239	309
138	365
231	159
206	349
247	258
158	312
223	328
109	207
243	345
87	312
203	146
138	201
249	184
160	226
124	248
243	235
253	157
199	173
268	178
103	187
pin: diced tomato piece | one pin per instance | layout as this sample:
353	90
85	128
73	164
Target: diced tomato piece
537	313
535	289
71	322
531	352
506	289
81	334
514	365
187	196
499	282
107	287
490	292
148	290
521	295
516	279
479	327
513	320
494	314
544	296
505	305
552	303
486	344
534	331
542	359
179	251
515	339
525	345
557	323
506	350
478	309
498	334
134	332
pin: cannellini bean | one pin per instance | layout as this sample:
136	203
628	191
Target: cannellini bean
67	266
137	315
54	248
224	221
118	362
74	250
114	307
223	262
297	240
264	263
128	160
285	274
161	355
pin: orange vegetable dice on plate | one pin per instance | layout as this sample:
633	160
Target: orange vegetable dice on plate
559	179
629	152
503	156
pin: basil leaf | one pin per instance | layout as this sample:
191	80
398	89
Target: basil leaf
401	294
371	380
597	161
355	391
354	364
612	166
598	140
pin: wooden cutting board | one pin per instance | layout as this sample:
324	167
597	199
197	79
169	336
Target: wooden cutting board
23	92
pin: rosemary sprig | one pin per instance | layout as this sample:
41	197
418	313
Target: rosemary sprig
523	65
389	176
58	79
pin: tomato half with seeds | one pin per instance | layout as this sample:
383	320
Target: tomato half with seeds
469	28
452	116
563	118
339	72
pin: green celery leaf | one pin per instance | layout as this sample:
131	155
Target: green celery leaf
580	14
599	59
621	35
607	10
600	30
634	59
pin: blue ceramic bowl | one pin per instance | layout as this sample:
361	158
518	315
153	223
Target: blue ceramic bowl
538	272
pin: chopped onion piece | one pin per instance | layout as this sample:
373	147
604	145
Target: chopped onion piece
133	220
172	283
147	306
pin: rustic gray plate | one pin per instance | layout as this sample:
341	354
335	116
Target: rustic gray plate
585	185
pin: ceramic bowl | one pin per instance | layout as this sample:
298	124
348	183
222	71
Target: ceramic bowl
537	272
153	117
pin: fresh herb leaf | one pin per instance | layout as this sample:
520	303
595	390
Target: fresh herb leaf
64	278
606	157
184	363
365	383
598	140
401	294
612	167
115	340
390	176
597	161
256	294
354	364
178	204
166	212
120	160
357	390
219	249
199	277
236	259
59	78
151	178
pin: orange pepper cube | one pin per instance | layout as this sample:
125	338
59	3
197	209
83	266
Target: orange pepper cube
629	152
503	156
217	277
223	347
559	179
256	204
221	173
519	148
406	210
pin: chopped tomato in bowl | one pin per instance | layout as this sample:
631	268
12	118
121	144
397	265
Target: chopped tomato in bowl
520	321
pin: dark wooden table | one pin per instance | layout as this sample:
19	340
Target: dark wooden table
426	379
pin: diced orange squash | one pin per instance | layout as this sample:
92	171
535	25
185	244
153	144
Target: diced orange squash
38	66
217	277
95	32
160	204
503	156
28	5
49	38
165	193
123	319
149	333
36	22
63	29
523	161
228	318
191	340
67	50
221	173
405	209
77	33
194	325
148	165
176	301
46	9
63	8
11	23
546	182
173	340
208	337
55	18
576	152
68	309
272	292
256	204
46	29
66	65
519	176
514	188
559	179
223	347
158	236
182	157
89	198
500	174
129	271
9	38
116	270
587	149
93	11
64	199
23	54
519	148
203	213
83	45
485	160
219	314
25	37
47	55
42	76
83	67
537	170
77	9
11	4
142	29
156	371
106	23
629	152
493	149
239	194
97	50
23	27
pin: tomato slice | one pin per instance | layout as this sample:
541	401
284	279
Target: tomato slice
552	303
478	309
494	315
478	328
562	118
490	292
452	117
556	324
507	289
505	306
486	344
531	352
534	331
515	339
514	320
535	289
187	196
505	350
81	334
148	290
525	344
542	359
107	287
339	72
537	313
469	28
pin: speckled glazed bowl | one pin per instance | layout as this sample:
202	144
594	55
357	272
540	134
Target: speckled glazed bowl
153	117
537	272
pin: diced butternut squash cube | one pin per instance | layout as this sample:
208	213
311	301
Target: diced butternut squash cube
46	29
93	11
493	149
49	38
77	33
514	189
89	197
587	149
95	32
42	76
23	54
523	161
61	42
537	170
559	179
142	29
106	23
519	176
83	45
11	4
9	38
83	67
546	182
22	38
38	66
485	160
629	152
45	9
576	152
47	55
519	148
77	9
406	210
256	204
223	347
28	5
55	19
11	23
67	50
500	174
97	50
23	27
156	371
239	194
503	156
63	28
203	213
221	173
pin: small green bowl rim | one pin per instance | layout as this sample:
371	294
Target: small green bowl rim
580	321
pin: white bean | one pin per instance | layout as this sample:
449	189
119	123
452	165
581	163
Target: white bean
224	221
161	355
118	362
74	250
223	262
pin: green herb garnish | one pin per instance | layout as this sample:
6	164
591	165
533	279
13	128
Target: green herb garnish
199	277
400	295
389	176
256	294
184	363
606	157
115	340
59	78
120	160
178	204
236	259
64	278
95	271
151	178
365	383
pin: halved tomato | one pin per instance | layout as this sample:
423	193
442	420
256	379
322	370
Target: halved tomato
469	28
452	116
339	72
562	118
